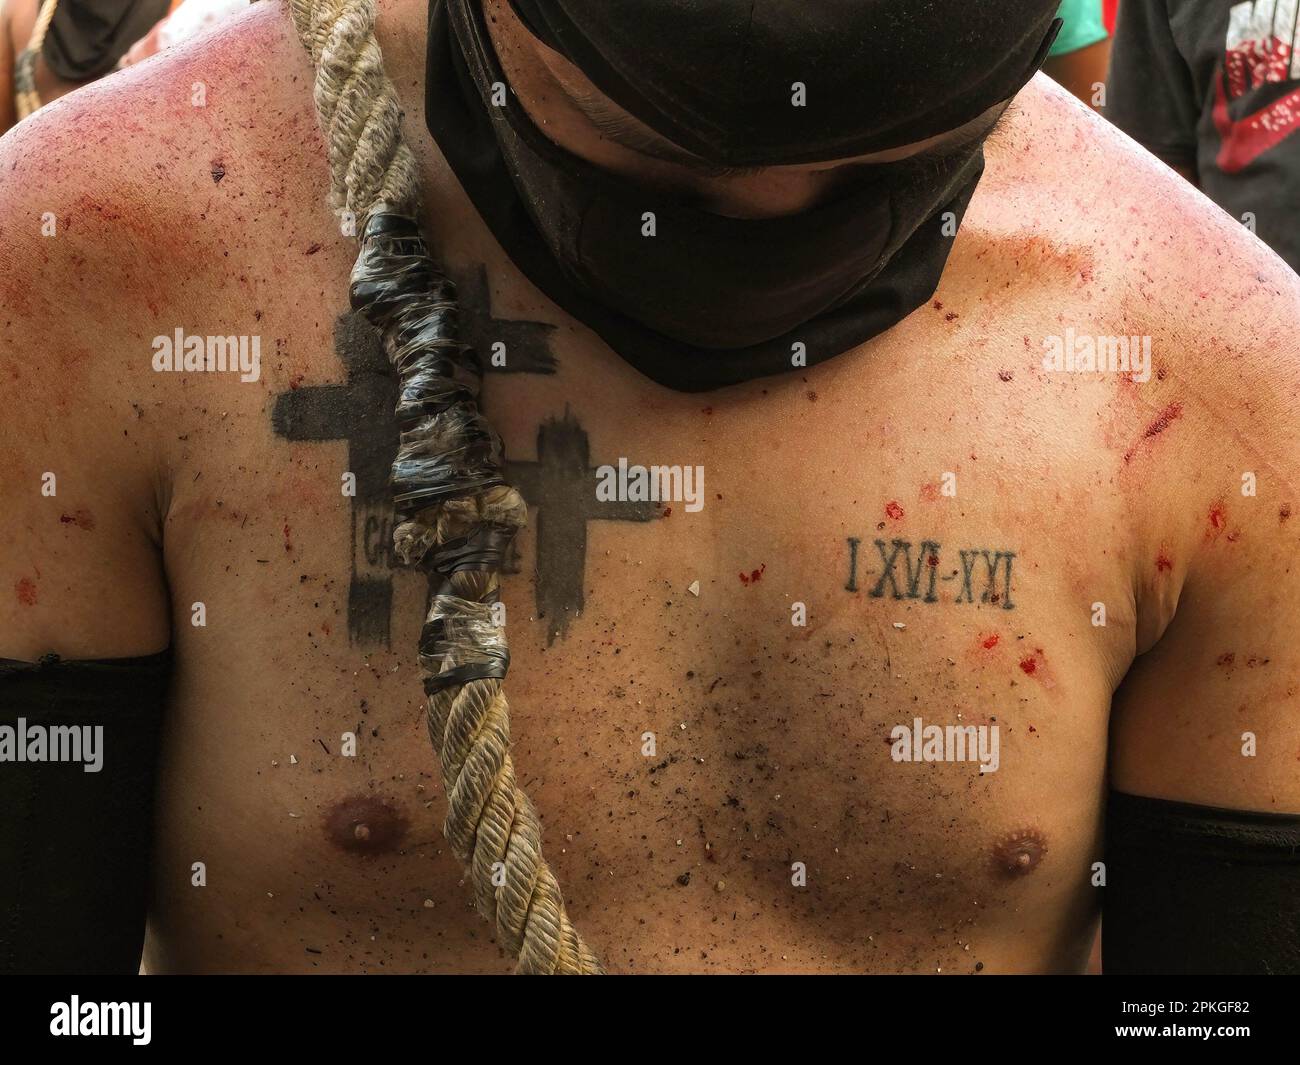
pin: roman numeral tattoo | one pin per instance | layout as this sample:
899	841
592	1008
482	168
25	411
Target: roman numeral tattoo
914	571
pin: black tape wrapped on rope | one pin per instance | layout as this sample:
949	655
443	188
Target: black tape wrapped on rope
396	285
447	449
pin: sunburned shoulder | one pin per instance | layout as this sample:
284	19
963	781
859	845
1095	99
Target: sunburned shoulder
1160	258
155	198
132	164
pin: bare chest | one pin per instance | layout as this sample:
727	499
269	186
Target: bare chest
787	685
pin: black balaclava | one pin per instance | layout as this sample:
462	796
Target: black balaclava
693	299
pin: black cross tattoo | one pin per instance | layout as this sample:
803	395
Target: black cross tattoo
560	484
362	413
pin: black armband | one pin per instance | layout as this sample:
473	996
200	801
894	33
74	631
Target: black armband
1198	889
79	746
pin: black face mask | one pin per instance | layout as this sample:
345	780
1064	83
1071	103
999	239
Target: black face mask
692	299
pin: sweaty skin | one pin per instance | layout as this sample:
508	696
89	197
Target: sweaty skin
764	825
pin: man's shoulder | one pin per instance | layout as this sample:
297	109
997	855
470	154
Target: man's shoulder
144	162
159	197
1161	258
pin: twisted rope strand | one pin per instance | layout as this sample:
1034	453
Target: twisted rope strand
460	516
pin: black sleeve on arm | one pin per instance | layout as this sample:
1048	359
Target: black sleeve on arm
1198	889
1150	93
74	845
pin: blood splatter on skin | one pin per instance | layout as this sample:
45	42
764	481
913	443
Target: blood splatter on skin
25	590
1162	422
1035	665
753	576
929	492
1020	852
1226	659
1163	562
81	518
990	642
1284	512
365	825
893	510
1217	522
288	543
1005	375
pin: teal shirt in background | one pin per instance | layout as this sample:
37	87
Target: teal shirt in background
1083	26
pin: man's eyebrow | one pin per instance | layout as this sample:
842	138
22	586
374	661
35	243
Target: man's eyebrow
954	142
626	131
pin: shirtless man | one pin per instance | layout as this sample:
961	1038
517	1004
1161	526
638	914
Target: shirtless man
971	536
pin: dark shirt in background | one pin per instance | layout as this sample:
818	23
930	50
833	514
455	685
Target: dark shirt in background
86	38
1213	87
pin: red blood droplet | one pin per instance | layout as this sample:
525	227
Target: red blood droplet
1163	562
25	589
1029	666
991	642
81	518
893	510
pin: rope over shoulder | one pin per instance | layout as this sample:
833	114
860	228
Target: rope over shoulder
458	514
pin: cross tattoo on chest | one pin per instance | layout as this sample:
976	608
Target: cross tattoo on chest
560	484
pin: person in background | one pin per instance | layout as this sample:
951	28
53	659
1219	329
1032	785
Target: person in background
48	48
1078	58
1213	89
187	19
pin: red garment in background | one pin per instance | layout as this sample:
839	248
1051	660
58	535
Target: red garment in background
1108	9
